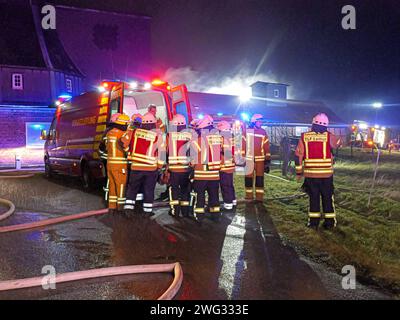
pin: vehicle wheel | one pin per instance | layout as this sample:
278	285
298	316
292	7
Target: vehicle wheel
47	170
87	180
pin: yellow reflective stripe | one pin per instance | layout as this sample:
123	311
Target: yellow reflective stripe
101	128
184	203
215	209
143	156
199	210
144	160
318	171
315	164
318	160
314	214
174	202
102	119
330	215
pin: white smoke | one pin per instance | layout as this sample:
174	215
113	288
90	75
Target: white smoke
234	83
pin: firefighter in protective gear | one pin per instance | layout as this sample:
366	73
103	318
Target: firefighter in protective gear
227	166
206	161
255	144
314	160
152	108
117	164
178	145
145	148
136	122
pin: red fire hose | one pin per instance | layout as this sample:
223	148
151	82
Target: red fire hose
87	274
169	294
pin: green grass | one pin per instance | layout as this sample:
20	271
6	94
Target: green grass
367	238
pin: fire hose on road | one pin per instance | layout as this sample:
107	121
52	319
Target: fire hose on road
94	273
7	285
169	294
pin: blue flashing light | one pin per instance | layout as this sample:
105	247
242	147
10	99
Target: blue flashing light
245	116
219	114
200	116
65	96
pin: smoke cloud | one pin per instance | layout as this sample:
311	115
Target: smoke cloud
234	83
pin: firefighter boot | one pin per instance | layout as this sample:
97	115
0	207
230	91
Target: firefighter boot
313	223
248	183
329	223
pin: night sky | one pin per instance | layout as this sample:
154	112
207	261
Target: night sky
300	42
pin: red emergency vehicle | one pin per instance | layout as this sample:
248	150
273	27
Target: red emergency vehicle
72	143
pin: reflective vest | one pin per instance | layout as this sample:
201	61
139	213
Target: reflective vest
115	151
256	144
208	149
143	149
178	149
317	154
228	162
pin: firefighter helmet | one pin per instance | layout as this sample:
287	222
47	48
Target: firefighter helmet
149	118
114	117
224	126
122	119
321	119
178	120
136	117
194	123
256	117
205	122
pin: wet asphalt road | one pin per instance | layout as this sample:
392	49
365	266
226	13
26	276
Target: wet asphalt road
239	257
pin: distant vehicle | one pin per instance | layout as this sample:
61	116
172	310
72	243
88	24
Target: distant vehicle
72	143
394	145
366	136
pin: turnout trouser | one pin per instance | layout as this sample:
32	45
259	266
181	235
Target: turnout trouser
227	189
179	192
320	189
257	170
212	187
116	186
141	180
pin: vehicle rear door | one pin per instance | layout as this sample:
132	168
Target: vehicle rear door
180	103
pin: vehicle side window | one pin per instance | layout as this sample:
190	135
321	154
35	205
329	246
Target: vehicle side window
115	106
52	130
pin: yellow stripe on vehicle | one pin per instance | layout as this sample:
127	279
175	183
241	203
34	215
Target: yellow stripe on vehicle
101	128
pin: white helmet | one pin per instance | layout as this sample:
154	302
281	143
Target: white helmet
205	122
114	117
256	117
178	120
321	119
224	126
148	118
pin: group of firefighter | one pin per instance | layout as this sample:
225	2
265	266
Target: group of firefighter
198	159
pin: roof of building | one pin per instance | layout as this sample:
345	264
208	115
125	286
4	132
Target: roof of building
20	41
290	112
269	83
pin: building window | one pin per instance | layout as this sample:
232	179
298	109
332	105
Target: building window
33	132
68	84
276	93
17	81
